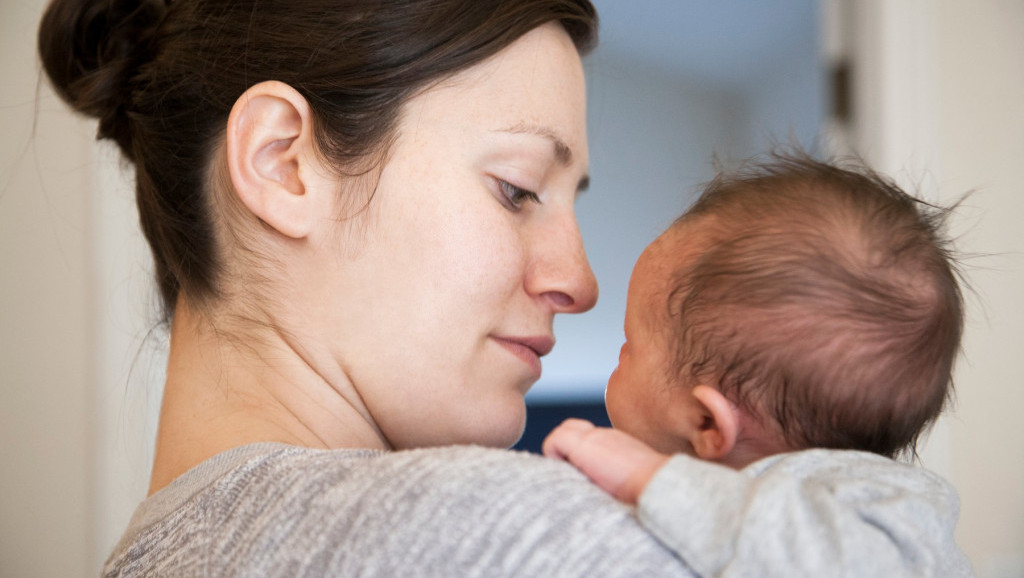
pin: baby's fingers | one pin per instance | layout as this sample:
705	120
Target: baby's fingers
565	438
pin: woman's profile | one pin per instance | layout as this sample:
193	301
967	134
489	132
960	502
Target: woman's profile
361	215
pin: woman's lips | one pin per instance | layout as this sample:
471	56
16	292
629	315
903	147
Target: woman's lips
528	349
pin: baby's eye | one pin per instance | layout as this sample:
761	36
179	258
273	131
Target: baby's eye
515	196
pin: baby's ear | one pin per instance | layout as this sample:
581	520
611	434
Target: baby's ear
716	435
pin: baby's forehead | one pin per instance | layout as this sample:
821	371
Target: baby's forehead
682	245
662	268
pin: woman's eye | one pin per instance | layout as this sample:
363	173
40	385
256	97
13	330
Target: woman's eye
516	196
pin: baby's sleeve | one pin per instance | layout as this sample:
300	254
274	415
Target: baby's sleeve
810	513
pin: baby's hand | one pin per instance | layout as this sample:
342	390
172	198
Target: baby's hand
617	462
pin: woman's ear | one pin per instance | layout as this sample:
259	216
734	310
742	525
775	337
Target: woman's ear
716	436
269	137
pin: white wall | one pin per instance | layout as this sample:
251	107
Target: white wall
940	102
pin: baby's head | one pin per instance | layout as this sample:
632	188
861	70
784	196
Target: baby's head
794	305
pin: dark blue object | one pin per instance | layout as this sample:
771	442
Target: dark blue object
541	418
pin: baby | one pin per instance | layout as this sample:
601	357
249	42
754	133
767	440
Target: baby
795	329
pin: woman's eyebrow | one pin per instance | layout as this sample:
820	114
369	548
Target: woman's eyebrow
563	154
562	151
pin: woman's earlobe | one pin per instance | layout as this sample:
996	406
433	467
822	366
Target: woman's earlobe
268	130
716	437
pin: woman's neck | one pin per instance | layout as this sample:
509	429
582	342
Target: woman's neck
224	390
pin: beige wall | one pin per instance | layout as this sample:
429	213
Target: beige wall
940	104
79	380
980	134
46	361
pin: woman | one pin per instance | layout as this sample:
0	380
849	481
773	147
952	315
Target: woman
361	215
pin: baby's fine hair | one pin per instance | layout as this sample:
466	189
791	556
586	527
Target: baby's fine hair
826	302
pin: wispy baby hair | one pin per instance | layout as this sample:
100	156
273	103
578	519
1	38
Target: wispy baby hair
826	301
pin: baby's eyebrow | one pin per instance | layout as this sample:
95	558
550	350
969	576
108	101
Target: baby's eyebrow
562	151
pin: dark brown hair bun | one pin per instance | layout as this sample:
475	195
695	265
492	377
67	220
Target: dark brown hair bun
92	49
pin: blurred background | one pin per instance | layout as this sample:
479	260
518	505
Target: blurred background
929	91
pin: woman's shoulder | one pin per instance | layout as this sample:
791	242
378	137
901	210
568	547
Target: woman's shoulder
444	473
453	466
438	511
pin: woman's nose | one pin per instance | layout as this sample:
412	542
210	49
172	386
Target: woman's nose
559	271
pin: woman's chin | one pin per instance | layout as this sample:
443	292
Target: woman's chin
499	424
497	427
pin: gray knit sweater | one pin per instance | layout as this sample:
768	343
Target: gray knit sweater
276	510
808	513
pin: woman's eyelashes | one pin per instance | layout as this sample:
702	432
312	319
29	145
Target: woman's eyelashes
515	197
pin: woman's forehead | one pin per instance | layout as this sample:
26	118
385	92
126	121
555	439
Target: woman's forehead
535	86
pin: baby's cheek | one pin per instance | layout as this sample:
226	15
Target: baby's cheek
611	396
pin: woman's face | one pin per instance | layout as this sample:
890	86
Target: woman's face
439	298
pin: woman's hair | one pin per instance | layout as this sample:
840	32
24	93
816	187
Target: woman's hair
826	301
162	76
